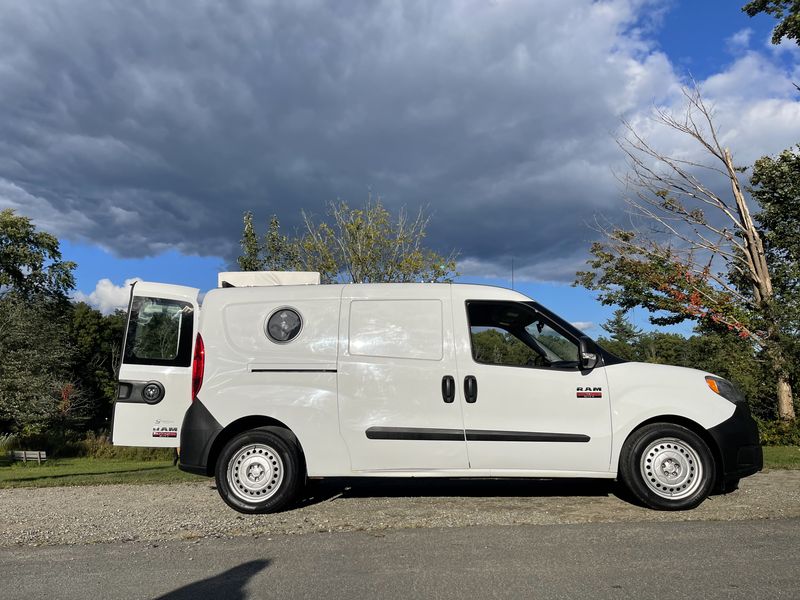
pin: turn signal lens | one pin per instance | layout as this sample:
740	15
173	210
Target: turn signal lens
712	383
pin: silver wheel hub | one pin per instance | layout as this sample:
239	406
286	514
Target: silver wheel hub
671	468
255	473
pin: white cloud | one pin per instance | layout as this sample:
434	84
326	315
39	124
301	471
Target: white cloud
583	325
106	296
740	40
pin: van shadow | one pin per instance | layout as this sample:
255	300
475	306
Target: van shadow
325	490
228	585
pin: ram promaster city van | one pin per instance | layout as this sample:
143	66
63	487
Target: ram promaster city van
275	379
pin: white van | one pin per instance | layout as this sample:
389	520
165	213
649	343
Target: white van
275	380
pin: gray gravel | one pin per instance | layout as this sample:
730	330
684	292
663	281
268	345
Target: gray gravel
118	513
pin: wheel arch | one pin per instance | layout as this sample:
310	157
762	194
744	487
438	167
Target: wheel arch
246	424
694	427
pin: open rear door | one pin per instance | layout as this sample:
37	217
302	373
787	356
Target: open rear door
155	377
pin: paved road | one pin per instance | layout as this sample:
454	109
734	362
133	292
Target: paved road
659	560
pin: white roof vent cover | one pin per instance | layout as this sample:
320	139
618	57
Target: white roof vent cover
264	278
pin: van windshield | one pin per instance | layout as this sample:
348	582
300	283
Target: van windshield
159	332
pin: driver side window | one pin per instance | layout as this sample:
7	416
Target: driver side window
512	334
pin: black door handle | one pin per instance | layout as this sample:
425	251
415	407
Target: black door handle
471	389
448	389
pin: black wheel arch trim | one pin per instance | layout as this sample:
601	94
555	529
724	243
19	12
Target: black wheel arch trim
203	437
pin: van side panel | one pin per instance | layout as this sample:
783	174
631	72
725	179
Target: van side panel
396	349
248	374
646	391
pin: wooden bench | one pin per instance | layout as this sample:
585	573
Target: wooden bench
30	455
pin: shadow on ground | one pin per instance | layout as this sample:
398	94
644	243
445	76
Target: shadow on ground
228	585
325	490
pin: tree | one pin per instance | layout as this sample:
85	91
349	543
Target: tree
30	260
786	11
624	335
96	340
702	258
37	392
361	245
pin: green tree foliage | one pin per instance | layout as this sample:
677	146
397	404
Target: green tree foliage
361	245
37	390
97	342
276	252
623	335
30	260
498	347
786	11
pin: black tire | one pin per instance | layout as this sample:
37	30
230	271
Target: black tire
259	471
667	467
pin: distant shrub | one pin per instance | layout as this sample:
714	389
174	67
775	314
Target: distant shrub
779	432
8	442
100	446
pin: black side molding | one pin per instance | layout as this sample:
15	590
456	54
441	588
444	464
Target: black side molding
478	435
415	433
473	435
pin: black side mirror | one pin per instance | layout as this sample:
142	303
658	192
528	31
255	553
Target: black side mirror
588	356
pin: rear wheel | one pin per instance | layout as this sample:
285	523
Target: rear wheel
259	471
667	466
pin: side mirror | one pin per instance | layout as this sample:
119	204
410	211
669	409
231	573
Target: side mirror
588	357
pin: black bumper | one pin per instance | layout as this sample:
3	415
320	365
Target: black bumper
198	433
738	443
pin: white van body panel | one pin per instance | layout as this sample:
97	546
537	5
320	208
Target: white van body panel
156	426
396	346
643	391
247	374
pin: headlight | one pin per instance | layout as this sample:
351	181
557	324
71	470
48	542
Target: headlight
725	388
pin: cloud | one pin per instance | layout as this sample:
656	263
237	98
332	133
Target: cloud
583	325
146	126
739	41
106	296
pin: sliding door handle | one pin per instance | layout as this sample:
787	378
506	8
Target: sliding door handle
471	389
448	389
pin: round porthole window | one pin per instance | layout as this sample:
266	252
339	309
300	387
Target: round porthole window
284	325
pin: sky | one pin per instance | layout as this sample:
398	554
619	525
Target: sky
139	133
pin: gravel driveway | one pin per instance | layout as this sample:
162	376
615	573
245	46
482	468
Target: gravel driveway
114	513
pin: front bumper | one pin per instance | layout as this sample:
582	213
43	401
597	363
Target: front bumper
198	432
739	446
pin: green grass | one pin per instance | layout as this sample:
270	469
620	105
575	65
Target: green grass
97	471
782	457
91	471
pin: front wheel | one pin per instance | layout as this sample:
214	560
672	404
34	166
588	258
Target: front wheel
667	467
258	471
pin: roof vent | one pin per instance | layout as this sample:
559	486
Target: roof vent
264	278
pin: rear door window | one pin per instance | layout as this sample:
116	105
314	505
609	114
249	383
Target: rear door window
159	332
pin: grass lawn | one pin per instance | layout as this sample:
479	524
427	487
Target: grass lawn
782	457
95	471
91	471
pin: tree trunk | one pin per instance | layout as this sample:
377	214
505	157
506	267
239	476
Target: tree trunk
761	280
785	399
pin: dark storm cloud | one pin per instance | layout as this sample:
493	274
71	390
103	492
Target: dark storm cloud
147	125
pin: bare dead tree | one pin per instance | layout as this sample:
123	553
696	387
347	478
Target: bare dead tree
694	229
